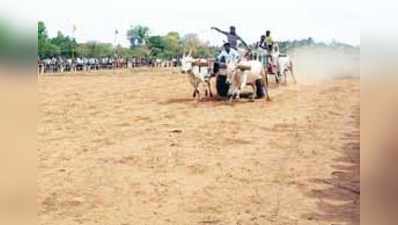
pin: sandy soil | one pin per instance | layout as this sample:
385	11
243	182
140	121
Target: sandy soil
133	148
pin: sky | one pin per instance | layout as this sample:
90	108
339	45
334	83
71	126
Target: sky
287	19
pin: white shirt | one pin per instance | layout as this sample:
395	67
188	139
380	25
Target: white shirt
231	56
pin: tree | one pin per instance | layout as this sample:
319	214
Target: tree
137	35
157	46
48	47
140	52
168	46
173	44
50	50
127	52
42	36
95	49
206	51
66	44
191	42
45	48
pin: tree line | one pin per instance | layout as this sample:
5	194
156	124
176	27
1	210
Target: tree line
143	44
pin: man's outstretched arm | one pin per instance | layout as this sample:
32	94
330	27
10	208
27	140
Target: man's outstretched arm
221	31
243	42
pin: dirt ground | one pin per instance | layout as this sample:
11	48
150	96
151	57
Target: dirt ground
133	148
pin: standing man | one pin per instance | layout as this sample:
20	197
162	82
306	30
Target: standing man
268	40
262	44
264	55
227	55
269	44
232	37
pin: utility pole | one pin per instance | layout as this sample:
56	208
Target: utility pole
115	41
74	38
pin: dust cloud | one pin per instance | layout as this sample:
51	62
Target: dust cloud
314	64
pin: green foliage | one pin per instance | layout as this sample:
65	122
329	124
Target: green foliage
192	43
142	45
157	46
42	37
60	45
66	44
165	47
173	45
206	52
50	50
95	49
138	35
140	52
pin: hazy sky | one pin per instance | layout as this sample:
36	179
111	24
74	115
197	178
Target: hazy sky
287	19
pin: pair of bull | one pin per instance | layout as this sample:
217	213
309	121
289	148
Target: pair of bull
238	74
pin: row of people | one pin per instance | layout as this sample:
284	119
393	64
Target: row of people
60	64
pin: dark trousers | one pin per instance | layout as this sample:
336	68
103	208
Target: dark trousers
260	88
222	86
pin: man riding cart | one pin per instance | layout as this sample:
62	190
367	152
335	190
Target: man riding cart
226	56
266	54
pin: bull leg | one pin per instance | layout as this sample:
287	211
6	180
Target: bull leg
237	93
243	82
209	88
198	93
277	78
230	94
230	98
267	92
253	96
196	89
285	78
291	73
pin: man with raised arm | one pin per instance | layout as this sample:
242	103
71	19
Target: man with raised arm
232	37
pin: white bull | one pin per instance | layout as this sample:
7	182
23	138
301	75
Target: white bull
284	63
278	64
245	72
198	73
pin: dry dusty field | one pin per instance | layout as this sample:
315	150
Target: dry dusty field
133	148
